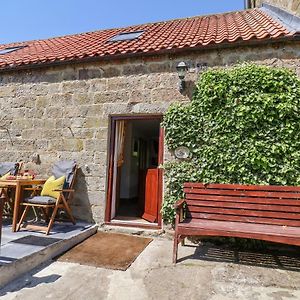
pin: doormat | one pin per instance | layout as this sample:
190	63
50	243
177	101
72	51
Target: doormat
107	250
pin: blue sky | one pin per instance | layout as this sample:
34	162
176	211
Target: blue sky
22	20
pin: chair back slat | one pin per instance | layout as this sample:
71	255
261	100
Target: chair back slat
65	168
9	167
243	203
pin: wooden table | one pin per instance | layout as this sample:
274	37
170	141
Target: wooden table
18	184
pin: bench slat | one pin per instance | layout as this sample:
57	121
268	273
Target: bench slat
271	201
243	227
249	206
265	194
242	187
241	212
245	219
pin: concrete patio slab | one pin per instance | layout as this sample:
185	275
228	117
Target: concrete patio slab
200	274
22	251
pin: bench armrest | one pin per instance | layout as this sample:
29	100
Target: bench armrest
179	211
179	204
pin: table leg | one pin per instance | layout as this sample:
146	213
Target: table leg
16	207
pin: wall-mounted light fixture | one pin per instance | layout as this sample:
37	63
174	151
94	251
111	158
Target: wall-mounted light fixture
181	71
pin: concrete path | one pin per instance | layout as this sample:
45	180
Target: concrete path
152	276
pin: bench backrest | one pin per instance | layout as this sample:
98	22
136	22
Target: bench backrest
276	205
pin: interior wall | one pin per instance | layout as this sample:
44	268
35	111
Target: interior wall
136	129
126	167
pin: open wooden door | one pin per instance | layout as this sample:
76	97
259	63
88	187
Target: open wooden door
137	194
151	196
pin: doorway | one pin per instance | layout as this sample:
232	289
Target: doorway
135	179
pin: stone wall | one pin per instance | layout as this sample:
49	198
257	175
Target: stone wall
63	112
293	6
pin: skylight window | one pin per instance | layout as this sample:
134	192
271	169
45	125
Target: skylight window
126	36
11	49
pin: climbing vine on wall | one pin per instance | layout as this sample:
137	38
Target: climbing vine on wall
242	126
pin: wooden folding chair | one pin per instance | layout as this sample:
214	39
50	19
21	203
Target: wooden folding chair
5	192
46	203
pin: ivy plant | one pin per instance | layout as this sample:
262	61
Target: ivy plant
242	126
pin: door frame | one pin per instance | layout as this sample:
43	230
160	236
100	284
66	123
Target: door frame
109	189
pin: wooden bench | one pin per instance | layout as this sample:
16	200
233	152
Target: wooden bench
270	213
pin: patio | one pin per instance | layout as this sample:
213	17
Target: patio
24	250
209	272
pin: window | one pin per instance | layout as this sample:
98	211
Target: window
11	49
126	36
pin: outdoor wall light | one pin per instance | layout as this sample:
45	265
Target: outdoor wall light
181	69
182	152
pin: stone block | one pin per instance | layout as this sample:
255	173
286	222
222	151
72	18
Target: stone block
75	122
64	99
54	112
97	85
89	73
92	122
101	134
95	110
137	96
74	86
23	123
118	83
16	102
132	69
41	144
82	133
95	145
167	95
98	213
160	67
32	134
7	91
82	98
96	183
60	144
150	108
113	108
112	96
100	158
111	71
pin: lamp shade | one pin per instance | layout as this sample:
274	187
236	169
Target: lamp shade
181	69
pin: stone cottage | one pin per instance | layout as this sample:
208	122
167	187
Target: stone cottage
99	98
292	6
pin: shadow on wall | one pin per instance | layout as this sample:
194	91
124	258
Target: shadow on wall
81	206
189	90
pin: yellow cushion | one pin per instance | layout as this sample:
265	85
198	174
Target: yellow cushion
51	185
4	177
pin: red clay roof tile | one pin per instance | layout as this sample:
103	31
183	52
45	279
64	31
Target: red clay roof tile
193	32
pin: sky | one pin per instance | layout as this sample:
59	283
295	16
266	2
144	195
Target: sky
23	20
